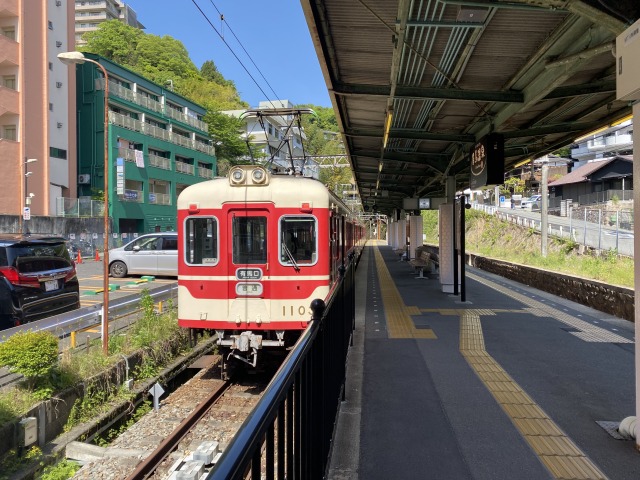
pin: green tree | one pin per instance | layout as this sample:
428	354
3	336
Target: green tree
226	132
114	40
210	72
32	354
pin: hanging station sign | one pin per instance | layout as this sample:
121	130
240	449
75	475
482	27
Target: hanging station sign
487	162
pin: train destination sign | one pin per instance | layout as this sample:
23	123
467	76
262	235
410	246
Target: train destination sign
487	162
248	274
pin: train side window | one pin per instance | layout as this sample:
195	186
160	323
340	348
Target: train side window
249	240
201	237
298	240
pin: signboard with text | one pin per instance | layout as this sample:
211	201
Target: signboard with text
487	162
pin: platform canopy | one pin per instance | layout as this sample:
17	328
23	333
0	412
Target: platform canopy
416	84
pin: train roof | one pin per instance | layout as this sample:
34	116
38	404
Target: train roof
285	190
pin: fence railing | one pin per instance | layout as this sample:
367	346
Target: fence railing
600	229
294	420
606	196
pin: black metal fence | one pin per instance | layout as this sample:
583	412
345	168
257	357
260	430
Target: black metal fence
288	434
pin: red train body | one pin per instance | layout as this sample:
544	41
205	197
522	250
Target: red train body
255	249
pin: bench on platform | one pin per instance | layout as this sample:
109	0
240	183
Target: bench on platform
401	252
427	261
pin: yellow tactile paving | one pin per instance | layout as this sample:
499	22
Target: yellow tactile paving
587	331
554	449
398	315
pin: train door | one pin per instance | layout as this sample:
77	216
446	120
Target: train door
248	261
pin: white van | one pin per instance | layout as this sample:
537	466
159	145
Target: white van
151	254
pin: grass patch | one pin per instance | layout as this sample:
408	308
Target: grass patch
489	237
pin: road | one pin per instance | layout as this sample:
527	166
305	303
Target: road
90	275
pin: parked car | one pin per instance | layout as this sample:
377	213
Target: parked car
532	203
37	279
151	254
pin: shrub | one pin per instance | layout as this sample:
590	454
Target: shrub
32	354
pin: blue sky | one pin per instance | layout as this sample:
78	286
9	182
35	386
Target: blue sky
274	34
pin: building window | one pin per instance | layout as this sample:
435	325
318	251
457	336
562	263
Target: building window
9	132
50	65
51	107
50	23
57	153
8	32
9	81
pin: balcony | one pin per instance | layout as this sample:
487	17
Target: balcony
205	148
120	91
9	101
205	172
159	198
128	154
196	123
159	162
9	8
157	132
9	51
149	103
181	140
125	121
186	168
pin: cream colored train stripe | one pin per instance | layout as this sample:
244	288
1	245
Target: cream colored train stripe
397	314
588	332
556	451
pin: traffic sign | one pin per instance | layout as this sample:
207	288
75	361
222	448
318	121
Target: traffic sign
26	213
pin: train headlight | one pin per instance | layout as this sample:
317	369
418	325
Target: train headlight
259	175
237	176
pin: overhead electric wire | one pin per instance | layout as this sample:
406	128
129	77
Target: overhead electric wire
230	49
244	49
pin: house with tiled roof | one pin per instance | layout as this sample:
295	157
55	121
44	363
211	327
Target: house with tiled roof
597	181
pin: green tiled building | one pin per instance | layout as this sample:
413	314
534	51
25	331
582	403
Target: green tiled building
158	145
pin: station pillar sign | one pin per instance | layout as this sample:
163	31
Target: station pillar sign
487	162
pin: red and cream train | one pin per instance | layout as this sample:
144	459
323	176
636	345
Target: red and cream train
255	249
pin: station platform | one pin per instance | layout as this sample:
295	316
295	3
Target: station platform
513	383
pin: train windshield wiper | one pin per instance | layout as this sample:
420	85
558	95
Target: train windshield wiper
290	256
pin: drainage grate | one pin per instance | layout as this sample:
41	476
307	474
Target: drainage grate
612	429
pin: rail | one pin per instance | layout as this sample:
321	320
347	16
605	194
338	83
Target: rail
295	418
66	324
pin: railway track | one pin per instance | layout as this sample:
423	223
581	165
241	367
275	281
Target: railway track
204	409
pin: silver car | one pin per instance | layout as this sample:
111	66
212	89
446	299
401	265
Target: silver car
151	254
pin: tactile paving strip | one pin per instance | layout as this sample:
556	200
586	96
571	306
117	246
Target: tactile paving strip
397	314
554	449
586	331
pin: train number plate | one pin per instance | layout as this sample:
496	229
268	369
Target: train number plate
249	289
50	285
248	274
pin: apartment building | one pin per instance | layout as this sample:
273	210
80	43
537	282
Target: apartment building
158	144
605	142
277	139
89	14
37	106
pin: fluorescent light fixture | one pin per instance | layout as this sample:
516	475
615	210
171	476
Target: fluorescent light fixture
387	127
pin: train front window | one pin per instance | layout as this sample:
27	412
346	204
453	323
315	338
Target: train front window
249	240
201	236
298	245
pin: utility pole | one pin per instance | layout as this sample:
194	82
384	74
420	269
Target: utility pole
544	207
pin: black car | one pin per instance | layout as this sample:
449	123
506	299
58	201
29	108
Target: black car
37	279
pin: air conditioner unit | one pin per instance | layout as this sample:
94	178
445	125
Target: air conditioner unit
84	179
627	66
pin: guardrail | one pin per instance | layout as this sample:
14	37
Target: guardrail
65	324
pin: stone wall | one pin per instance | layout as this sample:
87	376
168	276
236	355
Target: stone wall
53	225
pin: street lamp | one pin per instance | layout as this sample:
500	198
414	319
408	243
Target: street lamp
71	58
27	196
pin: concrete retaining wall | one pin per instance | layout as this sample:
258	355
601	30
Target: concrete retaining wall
53	225
611	299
